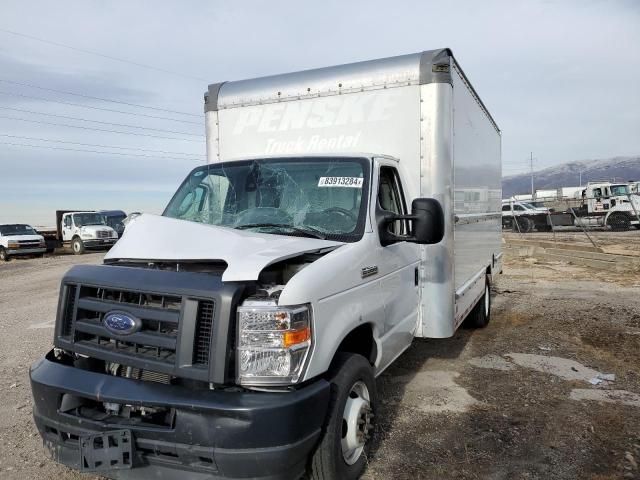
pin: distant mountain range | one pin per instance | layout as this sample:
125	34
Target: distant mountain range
568	175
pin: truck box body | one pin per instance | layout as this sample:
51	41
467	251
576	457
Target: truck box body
418	108
343	212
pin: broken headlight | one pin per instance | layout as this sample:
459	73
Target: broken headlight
273	343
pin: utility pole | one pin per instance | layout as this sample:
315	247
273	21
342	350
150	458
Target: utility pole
531	164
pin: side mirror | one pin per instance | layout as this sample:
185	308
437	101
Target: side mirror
426	219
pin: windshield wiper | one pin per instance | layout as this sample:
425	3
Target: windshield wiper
308	231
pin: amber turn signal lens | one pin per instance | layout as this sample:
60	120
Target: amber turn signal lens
295	337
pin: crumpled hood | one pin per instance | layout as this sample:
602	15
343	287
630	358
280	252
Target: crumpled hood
153	237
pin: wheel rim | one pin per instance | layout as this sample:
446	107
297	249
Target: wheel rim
356	422
3	255
487	301
76	246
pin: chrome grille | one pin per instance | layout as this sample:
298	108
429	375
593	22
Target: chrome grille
103	234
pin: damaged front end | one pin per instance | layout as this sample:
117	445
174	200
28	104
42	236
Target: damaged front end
145	377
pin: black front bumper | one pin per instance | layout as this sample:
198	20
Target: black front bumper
100	243
214	434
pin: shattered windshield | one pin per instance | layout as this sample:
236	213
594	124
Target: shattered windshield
315	197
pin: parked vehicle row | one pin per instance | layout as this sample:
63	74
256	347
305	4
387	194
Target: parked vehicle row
76	229
599	204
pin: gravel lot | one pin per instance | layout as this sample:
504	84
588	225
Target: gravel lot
511	401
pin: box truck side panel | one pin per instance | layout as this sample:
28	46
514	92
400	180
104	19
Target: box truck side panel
477	194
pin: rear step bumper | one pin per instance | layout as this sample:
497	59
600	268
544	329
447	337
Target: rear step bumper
213	434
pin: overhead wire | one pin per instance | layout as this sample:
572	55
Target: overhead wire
96	108
97	151
100	129
30	85
110	57
99	145
99	121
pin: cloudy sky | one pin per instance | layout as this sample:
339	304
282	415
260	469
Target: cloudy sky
562	79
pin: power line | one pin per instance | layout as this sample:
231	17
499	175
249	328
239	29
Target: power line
110	57
98	98
96	108
98	129
98	121
94	151
97	145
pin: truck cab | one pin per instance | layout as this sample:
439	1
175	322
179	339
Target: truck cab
609	204
20	239
85	230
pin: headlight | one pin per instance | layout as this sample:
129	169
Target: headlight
86	235
273	343
13	245
43	243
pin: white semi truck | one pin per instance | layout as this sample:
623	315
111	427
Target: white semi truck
239	334
613	205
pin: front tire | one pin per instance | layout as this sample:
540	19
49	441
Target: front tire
480	316
4	256
345	443
77	245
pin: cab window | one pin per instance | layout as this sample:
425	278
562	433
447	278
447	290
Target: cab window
391	199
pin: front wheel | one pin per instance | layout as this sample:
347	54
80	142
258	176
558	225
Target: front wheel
4	256
77	245
346	438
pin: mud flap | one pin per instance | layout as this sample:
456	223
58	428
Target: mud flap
111	450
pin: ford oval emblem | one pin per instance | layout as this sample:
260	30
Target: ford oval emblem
121	323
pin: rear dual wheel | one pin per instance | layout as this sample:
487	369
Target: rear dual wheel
619	222
523	225
480	316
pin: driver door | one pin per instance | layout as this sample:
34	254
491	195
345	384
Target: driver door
67	228
398	267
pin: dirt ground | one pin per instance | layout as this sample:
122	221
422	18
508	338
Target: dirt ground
529	397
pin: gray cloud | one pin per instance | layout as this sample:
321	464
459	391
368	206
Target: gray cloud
560	77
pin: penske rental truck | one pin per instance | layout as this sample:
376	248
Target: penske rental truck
239	334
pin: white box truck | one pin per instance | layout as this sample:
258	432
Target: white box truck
239	334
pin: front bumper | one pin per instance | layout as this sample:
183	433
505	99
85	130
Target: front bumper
26	251
214	434
99	242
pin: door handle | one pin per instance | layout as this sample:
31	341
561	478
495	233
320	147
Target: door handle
416	276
